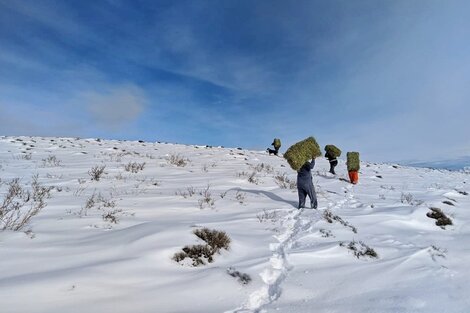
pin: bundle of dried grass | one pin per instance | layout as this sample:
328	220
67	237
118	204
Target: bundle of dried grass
302	152
353	161
333	151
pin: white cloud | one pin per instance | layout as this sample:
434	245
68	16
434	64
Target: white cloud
115	107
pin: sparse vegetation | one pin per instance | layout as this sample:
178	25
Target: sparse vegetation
240	197
134	167
330	217
435	252
96	172
206	200
241	277
96	200
217	240
203	253
19	205
25	156
177	160
268	216
441	218
408	198
112	216
326	233
251	177
51	161
284	182
360	249
263	168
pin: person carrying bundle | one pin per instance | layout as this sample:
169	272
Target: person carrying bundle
332	153
305	185
353	166
277	145
298	156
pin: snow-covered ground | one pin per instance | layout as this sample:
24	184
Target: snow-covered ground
107	245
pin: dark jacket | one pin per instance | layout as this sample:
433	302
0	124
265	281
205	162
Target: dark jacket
330	157
304	175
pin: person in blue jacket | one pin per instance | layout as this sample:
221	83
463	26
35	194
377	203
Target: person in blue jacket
305	185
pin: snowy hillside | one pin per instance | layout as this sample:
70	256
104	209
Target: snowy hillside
105	242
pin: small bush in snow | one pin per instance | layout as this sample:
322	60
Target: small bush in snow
252	178
268	216
134	167
177	160
206	200
441	218
27	156
20	205
217	240
241	277
240	196
408	198
326	233
435	251
200	254
284	182
360	249
111	216
96	201
263	168
51	161
96	172
330	217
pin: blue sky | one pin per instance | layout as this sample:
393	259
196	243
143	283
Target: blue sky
389	79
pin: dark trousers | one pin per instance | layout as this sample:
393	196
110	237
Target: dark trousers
305	191
332	166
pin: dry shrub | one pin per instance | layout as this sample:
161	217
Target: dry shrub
284	182
201	254
96	172
441	218
134	167
360	249
330	217
217	240
241	277
177	160
51	161
19	204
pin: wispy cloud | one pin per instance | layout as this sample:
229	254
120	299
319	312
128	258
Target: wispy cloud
116	106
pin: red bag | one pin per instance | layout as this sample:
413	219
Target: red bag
354	177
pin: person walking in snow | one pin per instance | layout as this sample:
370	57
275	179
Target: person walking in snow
305	185
277	145
333	161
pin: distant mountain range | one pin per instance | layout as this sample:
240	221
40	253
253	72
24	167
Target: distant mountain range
462	163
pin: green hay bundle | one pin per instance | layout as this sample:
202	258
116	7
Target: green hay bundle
277	143
353	161
333	150
302	152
